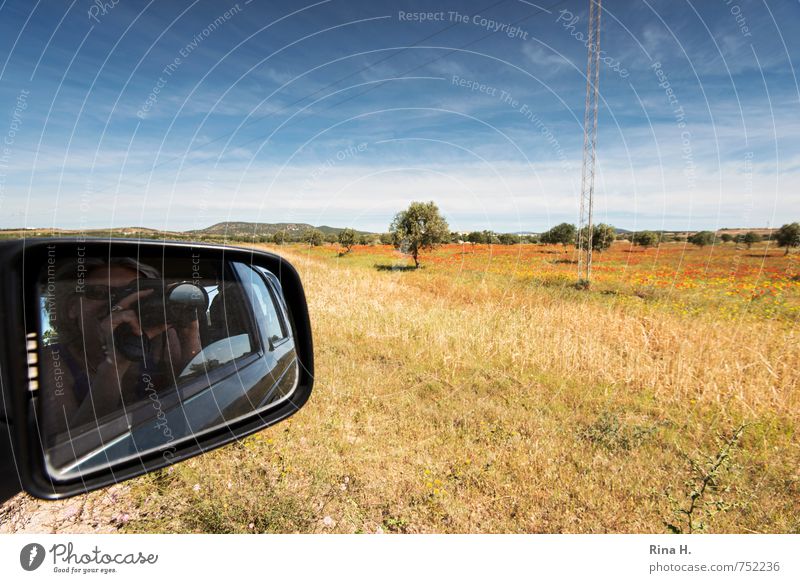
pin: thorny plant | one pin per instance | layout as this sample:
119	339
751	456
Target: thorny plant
707	491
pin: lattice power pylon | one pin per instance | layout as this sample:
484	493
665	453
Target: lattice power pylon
585	224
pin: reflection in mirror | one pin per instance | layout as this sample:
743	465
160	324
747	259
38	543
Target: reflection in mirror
137	354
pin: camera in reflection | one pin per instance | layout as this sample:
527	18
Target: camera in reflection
159	305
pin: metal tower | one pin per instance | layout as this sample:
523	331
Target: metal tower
585	224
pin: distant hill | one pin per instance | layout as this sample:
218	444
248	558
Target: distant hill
141	232
236	228
244	229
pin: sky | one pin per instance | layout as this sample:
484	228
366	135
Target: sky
178	115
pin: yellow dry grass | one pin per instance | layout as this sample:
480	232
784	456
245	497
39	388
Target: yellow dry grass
446	407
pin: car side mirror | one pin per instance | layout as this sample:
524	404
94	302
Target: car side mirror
118	358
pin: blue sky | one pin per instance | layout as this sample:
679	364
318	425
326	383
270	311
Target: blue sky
178	115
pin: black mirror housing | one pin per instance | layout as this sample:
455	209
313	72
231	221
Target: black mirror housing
22	338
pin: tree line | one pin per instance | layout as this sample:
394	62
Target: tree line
424	221
786	236
422	227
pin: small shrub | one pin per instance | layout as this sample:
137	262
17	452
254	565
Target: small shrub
706	490
610	433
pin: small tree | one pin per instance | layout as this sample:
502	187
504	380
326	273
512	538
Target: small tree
645	238
387	239
420	227
701	238
788	236
279	238
476	237
347	238
313	237
602	236
509	239
491	238
751	237
563	234
726	237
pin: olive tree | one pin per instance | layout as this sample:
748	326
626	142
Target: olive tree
491	238
419	227
751	237
563	234
509	239
788	236
645	238
280	237
476	237
313	237
702	238
602	236
347	238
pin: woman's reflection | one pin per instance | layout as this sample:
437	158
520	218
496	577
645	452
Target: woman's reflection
88	372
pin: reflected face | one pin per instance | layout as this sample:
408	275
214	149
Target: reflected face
93	305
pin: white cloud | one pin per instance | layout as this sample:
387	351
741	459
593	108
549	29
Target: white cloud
538	56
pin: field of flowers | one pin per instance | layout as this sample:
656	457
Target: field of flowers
724	280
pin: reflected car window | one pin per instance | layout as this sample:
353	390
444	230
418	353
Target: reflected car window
226	330
264	303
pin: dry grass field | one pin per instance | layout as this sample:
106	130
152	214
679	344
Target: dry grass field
452	399
482	393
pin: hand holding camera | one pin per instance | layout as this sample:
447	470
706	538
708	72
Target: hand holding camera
147	308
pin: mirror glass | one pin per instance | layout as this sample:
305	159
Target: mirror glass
136	354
